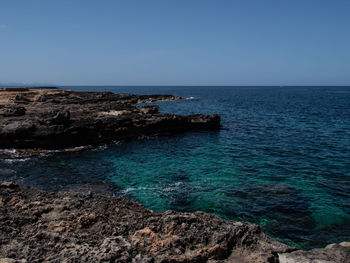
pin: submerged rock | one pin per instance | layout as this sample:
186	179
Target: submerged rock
7	172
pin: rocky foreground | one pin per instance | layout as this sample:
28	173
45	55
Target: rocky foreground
57	119
38	226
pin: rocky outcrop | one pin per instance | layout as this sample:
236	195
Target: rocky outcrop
330	254
10	111
38	226
56	119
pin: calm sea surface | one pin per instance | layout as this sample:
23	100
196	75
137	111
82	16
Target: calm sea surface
281	160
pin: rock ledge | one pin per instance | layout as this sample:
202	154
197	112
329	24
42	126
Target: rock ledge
58	119
38	226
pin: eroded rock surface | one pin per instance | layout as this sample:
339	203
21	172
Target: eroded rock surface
56	119
331	253
38	226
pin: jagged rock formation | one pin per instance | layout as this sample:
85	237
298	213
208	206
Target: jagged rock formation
56	119
38	226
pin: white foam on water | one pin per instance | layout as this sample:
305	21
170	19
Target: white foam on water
9	151
100	148
16	160
170	188
131	189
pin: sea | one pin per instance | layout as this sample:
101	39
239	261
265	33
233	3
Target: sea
281	160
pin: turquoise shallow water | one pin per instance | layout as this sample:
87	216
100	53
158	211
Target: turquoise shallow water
281	160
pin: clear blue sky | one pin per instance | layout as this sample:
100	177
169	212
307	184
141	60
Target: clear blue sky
175	42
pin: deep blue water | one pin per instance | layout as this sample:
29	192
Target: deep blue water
281	160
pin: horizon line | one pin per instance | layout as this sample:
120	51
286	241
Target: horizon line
3	85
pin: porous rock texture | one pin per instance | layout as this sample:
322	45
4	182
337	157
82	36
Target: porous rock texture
57	119
78	226
330	254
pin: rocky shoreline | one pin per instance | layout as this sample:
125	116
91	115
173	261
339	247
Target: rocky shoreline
57	119
84	226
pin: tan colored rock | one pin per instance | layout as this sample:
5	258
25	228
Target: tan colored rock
80	227
7	260
345	244
333	253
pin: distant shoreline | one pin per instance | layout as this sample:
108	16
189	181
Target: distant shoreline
160	85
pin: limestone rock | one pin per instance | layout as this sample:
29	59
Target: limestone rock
334	253
59	119
78	226
10	111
